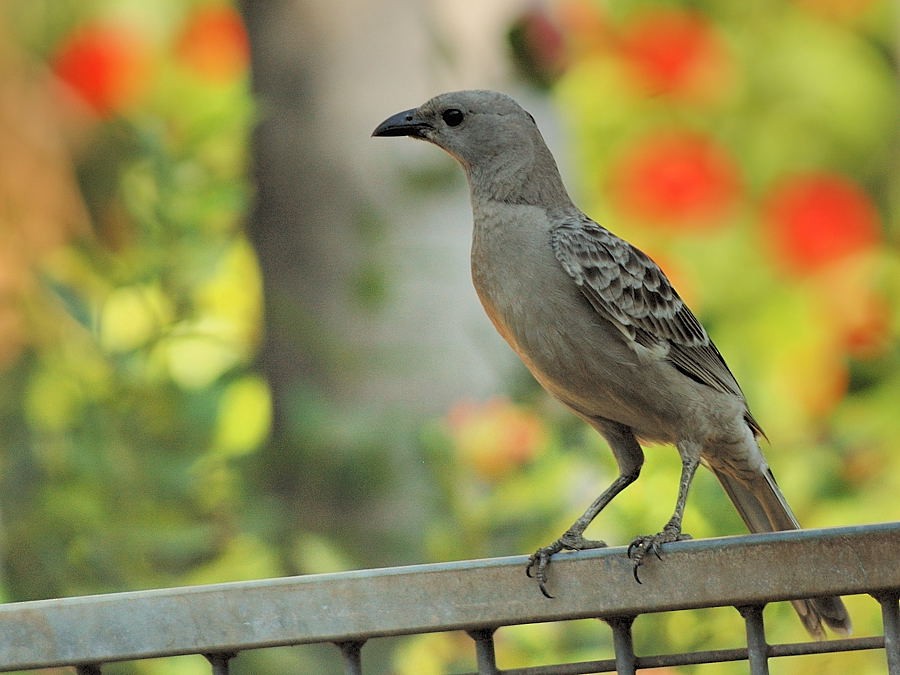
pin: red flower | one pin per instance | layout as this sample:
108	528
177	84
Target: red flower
214	43
104	65
676	53
818	219
681	178
537	47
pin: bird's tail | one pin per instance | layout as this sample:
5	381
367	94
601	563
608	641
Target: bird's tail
764	509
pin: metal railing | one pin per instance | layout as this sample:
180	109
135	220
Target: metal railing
477	596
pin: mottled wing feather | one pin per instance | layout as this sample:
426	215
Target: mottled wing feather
627	288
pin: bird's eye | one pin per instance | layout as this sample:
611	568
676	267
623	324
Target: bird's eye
453	117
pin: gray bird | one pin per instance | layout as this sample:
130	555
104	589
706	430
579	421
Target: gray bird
600	327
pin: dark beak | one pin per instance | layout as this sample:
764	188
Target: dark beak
406	123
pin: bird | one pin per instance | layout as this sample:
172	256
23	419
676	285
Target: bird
601	328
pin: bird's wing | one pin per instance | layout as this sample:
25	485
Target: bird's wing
627	288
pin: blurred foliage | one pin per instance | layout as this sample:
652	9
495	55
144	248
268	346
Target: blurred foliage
132	300
751	148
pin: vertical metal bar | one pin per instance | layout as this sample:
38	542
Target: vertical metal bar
484	650
219	662
757	647
94	669
623	644
351	651
890	616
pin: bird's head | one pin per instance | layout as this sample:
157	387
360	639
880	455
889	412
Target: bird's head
492	136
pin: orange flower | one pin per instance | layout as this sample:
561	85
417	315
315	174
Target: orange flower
495	437
853	307
214	43
818	219
841	10
104	64
585	27
679	179
867	327
676	53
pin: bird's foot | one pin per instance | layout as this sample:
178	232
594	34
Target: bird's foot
539	561
652	543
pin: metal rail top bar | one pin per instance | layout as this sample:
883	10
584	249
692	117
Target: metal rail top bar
358	605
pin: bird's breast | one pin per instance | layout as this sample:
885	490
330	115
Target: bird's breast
574	352
518	280
536	306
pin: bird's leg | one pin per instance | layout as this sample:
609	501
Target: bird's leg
629	457
573	538
651	543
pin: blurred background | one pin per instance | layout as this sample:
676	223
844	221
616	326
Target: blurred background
238	338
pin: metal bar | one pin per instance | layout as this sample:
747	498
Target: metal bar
219	662
351	652
88	669
693	658
467	595
704	657
580	668
826	646
890	614
484	651
623	644
757	647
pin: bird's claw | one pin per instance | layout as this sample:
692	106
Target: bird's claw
539	561
651	543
